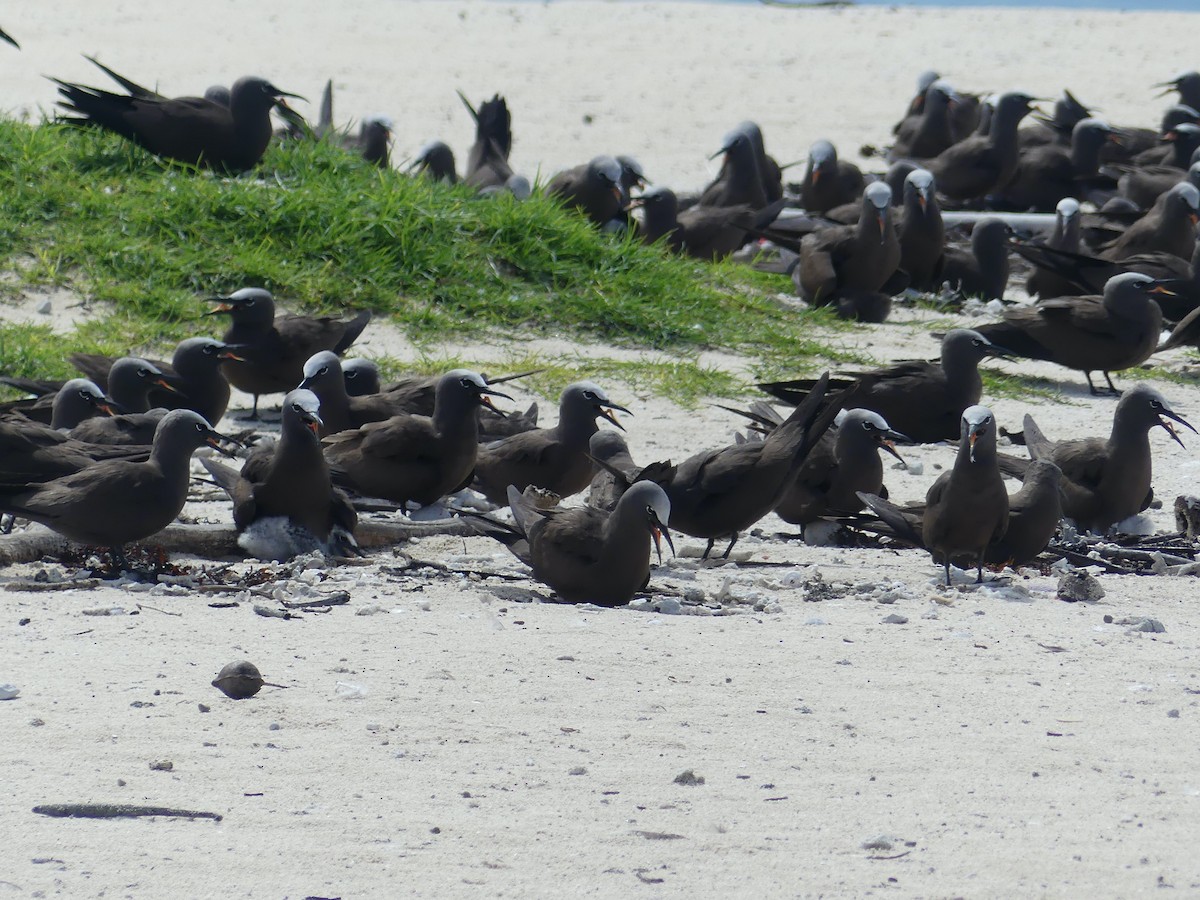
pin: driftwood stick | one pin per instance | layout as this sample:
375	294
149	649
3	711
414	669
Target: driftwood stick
219	541
117	811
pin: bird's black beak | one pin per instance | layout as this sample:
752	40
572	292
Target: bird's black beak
999	352
467	104
1167	425
887	441
605	411
485	395
659	531
8	37
215	440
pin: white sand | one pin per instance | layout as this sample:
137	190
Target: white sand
992	763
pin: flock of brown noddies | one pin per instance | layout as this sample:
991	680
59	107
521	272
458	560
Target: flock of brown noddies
104	460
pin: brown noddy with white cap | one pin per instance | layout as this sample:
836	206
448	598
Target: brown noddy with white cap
273	349
847	260
116	502
922	399
411	458
1033	516
1106	480
921	232
828	181
553	459
585	554
966	509
284	502
1115	331
594	188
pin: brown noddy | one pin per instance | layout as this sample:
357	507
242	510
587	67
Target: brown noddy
273	349
1169	226
705	232
1047	174
593	188
487	162
116	502
844	462
930	132
980	164
616	471
1144	186
1107	480
194	372
1115	331
435	161
921	232
1043	281
585	554
1055	128
983	270
845	260
1033	516
1188	87
130	382
191	130
828	181
922	399
1174	149
740	180
554	459
966	509
720	493
1082	274
768	168
31	452
285	504
411	458
361	376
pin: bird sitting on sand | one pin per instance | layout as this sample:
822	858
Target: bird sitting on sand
116	502
585	554
284	503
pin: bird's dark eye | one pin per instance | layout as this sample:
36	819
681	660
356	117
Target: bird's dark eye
467	383
590	395
350	375
324	370
251	302
867	426
209	349
977	342
1154	404
199	427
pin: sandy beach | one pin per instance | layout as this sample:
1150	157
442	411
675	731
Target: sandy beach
444	733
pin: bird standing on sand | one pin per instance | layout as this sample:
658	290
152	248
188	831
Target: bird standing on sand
1033	516
966	509
116	502
273	350
720	493
1116	331
190	130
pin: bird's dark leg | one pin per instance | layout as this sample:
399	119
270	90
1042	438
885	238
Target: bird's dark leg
1091	387
708	549
253	417
979	569
946	563
725	555
1112	387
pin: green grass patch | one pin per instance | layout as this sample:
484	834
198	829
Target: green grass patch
326	232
